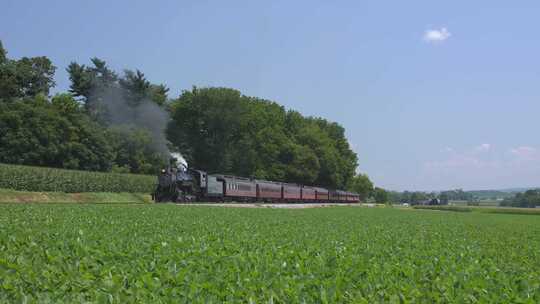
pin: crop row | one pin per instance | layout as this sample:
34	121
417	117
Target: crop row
172	254
27	178
444	208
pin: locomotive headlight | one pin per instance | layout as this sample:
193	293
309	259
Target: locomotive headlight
162	170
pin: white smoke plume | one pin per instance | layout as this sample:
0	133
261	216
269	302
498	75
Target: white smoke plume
179	158
146	114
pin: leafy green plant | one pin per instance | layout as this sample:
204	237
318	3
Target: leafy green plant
443	208
525	211
169	253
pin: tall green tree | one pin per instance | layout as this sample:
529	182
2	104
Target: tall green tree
93	85
38	132
527	199
136	87
3	53
158	93
221	130
362	185
26	77
81	79
206	125
102	91
35	75
130	106
133	150
381	196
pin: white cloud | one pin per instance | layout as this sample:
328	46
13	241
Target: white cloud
435	35
448	150
482	148
485	155
455	161
483	166
525	153
475	157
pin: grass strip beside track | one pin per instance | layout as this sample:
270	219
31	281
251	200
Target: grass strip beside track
13	196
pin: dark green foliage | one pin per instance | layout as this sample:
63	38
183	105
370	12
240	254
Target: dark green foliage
444	197
458	195
26	77
221	130
98	87
81	80
136	87
60	133
93	84
528	199
410	197
415	197
3	53
65	104
26	178
362	185
492	194
381	196
158	94
117	122
36	132
134	151
35	75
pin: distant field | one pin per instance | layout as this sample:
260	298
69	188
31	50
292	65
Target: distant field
490	203
483	209
150	253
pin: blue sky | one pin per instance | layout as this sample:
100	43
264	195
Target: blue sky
433	95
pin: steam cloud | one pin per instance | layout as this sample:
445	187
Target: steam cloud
120	110
179	158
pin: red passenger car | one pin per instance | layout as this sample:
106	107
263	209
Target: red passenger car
235	187
333	196
268	191
352	197
309	193
291	192
321	194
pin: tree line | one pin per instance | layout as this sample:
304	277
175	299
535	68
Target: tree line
416	197
527	199
122	122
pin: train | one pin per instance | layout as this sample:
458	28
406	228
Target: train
178	183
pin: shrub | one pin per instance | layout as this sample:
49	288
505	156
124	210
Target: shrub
27	178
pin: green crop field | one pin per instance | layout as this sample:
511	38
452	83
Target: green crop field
174	254
28	178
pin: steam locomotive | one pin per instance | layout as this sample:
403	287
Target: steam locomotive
178	183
